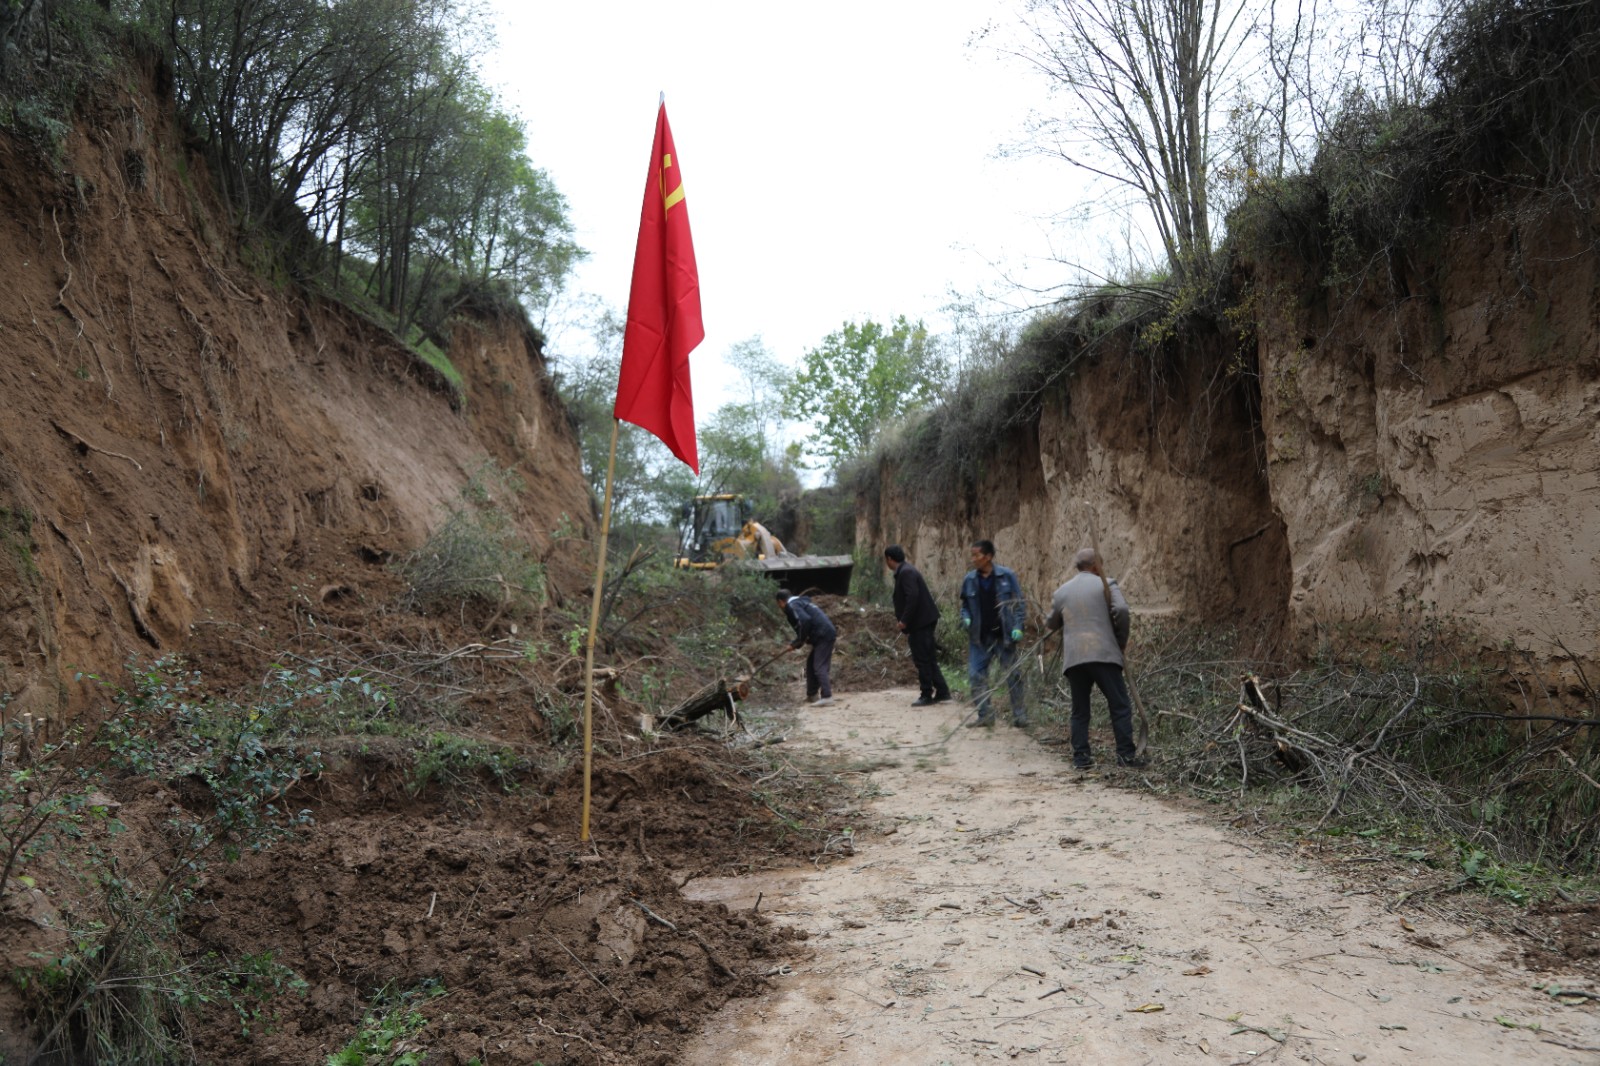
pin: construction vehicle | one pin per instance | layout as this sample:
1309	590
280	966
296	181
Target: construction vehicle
718	531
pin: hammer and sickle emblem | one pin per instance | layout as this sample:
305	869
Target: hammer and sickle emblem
675	197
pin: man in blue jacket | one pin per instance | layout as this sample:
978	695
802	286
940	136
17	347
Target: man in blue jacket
992	612
813	627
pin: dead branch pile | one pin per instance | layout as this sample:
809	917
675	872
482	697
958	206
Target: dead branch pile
1423	740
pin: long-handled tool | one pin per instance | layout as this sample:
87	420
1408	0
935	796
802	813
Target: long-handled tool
1127	674
1001	681
754	670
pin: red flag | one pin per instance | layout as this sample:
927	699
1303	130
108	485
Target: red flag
663	310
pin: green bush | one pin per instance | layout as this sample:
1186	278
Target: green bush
118	990
476	554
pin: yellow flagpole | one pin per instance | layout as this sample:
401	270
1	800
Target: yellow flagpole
594	623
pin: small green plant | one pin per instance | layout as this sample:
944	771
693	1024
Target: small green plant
435	357
389	1029
16	534
1491	878
43	123
560	717
250	985
48	793
457	762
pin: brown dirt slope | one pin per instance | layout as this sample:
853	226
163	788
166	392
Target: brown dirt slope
1160	453
182	442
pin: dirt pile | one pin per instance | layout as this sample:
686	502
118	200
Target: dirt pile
872	652
546	950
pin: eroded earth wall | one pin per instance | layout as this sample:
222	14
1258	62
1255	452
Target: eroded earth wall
1158	460
1432	436
186	446
1442	443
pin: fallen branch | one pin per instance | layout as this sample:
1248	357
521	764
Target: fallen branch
711	953
720	695
80	442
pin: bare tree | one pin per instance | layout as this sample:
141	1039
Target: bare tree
1143	77
1321	58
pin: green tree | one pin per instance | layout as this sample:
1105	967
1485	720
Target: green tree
862	377
356	137
741	447
587	384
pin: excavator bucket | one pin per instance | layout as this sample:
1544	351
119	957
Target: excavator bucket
800	574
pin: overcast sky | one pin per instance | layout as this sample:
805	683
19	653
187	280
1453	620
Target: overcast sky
840	159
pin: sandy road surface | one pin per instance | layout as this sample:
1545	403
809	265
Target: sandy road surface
1007	876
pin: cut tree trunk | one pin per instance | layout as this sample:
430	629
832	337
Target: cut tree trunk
721	695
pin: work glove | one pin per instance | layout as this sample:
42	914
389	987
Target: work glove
1016	636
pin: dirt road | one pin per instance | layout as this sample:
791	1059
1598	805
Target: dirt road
1017	909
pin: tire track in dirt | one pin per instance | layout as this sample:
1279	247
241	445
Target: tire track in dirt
1016	909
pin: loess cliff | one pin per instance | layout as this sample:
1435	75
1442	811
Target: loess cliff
1433	439
191	454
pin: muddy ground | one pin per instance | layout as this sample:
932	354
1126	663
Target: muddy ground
1011	908
470	898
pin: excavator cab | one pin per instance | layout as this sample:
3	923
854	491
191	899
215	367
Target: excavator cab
711	529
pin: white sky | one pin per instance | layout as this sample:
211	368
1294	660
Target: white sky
839	158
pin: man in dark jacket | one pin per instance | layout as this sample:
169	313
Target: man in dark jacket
992	613
917	614
1093	618
812	627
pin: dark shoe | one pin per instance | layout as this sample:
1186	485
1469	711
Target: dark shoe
923	701
940	697
1136	762
1019	723
981	723
1083	766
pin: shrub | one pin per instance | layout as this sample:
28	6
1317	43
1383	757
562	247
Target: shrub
476	554
1401	728
117	991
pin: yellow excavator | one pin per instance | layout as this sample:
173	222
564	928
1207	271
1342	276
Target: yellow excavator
718	531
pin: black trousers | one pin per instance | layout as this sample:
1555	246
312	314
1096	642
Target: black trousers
819	669
925	654
1107	677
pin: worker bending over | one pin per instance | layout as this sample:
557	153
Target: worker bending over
812	626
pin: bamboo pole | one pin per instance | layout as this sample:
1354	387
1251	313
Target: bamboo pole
594	624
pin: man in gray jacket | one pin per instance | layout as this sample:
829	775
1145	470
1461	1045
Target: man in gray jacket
1093	619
